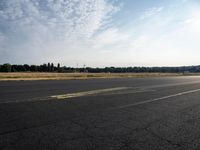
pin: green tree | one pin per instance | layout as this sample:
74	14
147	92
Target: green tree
6	67
49	67
52	67
27	67
33	68
58	67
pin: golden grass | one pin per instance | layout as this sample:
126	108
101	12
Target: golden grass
67	76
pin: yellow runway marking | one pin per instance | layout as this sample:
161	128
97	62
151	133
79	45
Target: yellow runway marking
80	94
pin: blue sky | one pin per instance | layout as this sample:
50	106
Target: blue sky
100	33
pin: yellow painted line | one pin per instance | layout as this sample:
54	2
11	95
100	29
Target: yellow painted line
87	93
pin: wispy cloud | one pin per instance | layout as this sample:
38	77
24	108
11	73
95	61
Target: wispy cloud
171	39
151	12
68	18
38	24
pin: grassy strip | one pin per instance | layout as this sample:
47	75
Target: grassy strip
68	76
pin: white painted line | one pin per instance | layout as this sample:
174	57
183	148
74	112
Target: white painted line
134	91
158	99
86	93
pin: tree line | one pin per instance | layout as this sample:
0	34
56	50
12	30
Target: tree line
50	67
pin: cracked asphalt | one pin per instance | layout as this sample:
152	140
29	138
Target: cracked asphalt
155	113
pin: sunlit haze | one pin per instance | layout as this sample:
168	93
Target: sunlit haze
99	33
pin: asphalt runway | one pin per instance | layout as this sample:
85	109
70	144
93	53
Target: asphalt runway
101	114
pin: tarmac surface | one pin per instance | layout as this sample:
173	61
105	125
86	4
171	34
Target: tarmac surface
101	114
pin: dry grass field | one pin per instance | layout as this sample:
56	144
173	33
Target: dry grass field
68	76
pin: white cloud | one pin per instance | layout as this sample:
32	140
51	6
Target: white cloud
70	18
192	23
110	37
49	27
167	39
151	12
